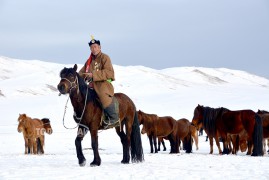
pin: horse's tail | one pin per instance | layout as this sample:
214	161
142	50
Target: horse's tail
258	137
136	142
187	143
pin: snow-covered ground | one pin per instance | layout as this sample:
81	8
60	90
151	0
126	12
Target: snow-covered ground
30	87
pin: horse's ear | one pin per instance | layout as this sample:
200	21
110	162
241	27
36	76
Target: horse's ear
75	67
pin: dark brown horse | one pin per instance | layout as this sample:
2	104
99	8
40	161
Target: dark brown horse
220	122
88	113
156	126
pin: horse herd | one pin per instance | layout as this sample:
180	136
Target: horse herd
238	128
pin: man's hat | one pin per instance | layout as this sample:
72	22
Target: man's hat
94	41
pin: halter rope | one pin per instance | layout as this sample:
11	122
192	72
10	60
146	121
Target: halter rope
78	124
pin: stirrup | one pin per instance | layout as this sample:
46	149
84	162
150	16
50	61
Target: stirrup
108	124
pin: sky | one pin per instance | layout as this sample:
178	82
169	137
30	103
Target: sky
153	33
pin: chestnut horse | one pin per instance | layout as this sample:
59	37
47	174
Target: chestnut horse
156	126
225	121
194	135
88	114
184	134
33	133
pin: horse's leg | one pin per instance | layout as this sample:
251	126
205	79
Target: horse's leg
250	144
267	144
163	143
94	137
26	145
155	143
218	145
159	144
31	145
211	144
34	141
264	145
195	137
125	147
150	142
80	135
42	141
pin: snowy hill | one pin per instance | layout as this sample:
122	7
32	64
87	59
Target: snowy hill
179	88
30	87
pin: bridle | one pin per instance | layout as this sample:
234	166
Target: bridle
75	83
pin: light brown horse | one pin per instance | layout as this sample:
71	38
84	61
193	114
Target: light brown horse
194	135
156	126
33	133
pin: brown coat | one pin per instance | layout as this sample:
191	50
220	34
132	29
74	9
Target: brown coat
102	70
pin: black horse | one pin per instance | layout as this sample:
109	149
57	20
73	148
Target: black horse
88	114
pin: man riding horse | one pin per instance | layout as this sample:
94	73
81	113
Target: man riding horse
98	72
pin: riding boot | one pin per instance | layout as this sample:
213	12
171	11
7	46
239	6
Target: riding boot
111	114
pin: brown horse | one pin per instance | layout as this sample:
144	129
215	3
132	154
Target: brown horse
33	133
184	134
88	114
156	126
225	121
192	130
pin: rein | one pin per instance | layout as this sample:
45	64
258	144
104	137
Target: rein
78	118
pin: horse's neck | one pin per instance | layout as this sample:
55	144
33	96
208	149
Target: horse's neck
79	103
28	127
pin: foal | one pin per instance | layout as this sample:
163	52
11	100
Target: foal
33	133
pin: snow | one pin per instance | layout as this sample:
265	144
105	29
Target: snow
30	87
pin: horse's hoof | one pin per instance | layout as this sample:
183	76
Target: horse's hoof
93	164
124	162
82	162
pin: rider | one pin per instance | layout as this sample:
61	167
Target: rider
98	70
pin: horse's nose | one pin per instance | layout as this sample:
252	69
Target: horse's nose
61	88
19	129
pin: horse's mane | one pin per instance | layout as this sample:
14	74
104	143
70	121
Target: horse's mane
45	120
83	88
209	118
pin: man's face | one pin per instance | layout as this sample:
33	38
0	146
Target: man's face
95	49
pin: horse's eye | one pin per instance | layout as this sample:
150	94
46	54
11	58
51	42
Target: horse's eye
71	76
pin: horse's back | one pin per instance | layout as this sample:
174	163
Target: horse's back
183	127
165	125
124	101
235	121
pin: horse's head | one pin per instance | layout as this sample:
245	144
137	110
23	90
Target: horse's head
69	80
197	119
262	112
46	125
22	119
